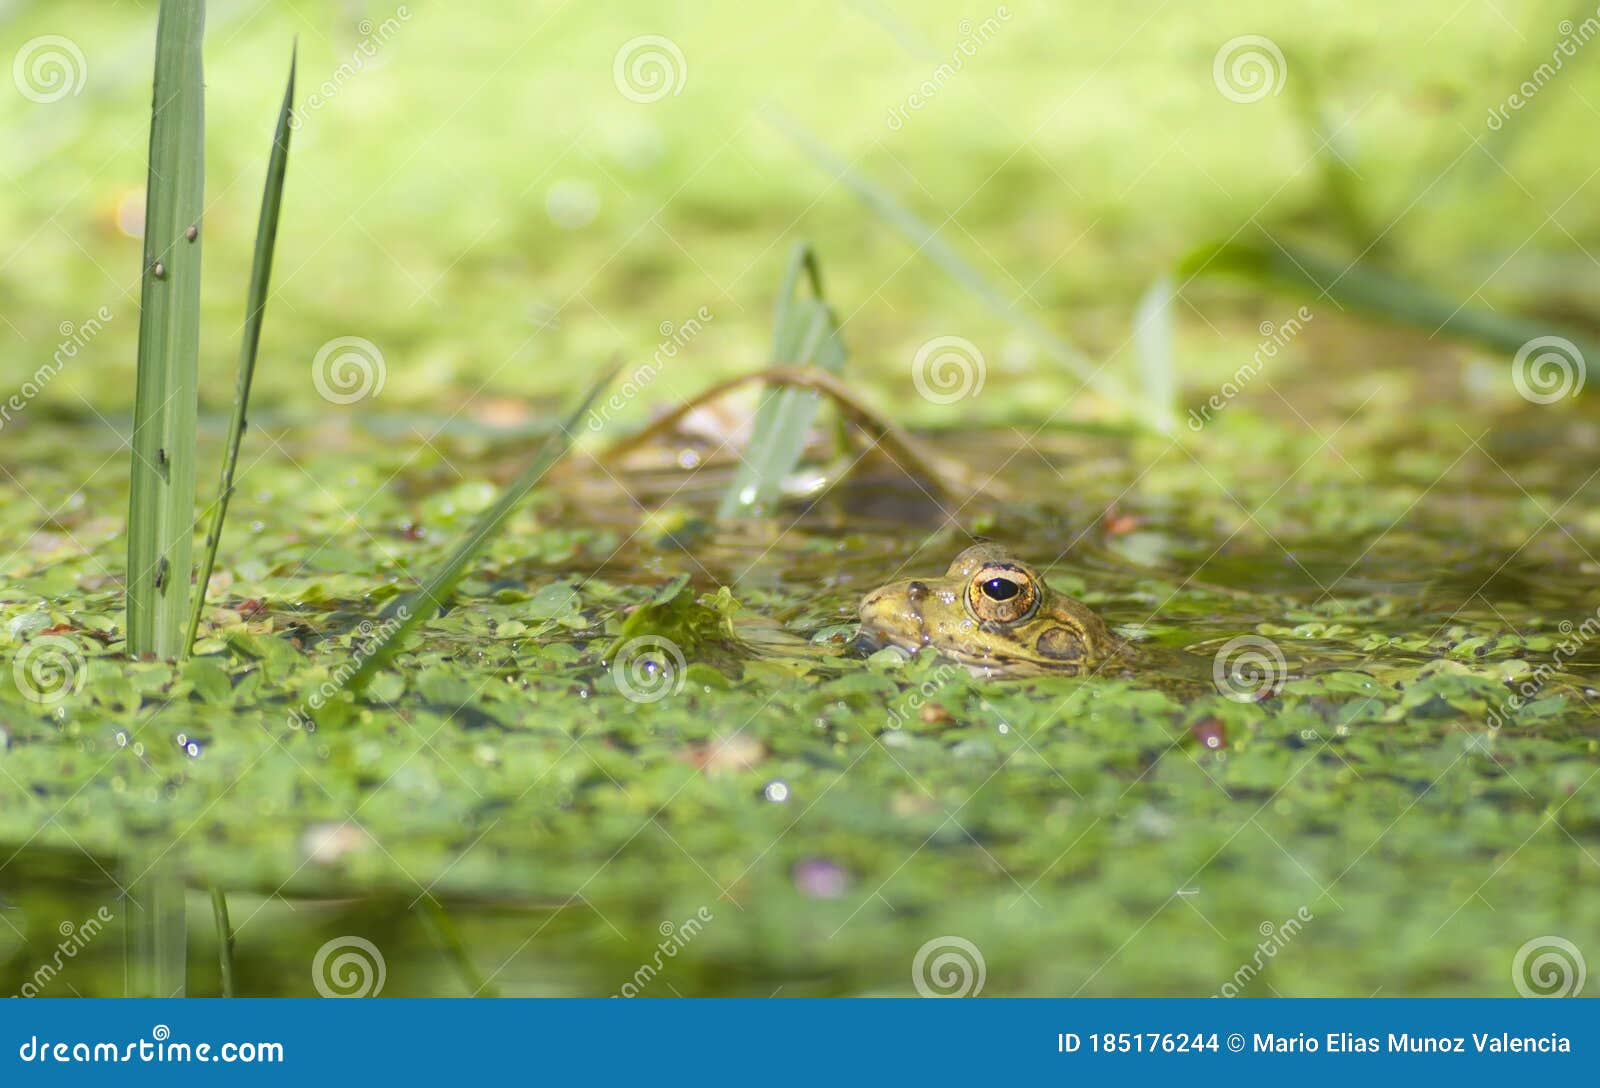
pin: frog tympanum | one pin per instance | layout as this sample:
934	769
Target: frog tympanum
990	612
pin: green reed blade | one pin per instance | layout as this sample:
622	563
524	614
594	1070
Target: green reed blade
805	333
255	307
161	507
1372	292
424	603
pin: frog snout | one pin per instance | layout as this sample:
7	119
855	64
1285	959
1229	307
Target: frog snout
871	603
876	609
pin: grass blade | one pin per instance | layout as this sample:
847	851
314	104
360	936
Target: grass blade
219	913
1372	292
1156	354
928	243
161	507
805	333
255	306
424	603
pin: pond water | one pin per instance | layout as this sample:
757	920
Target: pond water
1388	792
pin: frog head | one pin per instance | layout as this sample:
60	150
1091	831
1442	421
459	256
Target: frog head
990	612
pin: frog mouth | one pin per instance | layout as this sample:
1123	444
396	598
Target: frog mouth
868	642
871	638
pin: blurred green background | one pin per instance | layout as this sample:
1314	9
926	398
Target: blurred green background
482	203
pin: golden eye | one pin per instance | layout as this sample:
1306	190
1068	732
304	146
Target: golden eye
1002	595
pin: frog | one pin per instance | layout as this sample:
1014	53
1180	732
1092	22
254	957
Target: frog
992	613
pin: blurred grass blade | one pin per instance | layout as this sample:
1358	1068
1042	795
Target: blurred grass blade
161	507
255	306
424	603
1371	292
805	333
219	914
1332	147
1157	355
928	243
444	931
155	946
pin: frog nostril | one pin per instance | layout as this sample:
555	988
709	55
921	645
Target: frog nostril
917	590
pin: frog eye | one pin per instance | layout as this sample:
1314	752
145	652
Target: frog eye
1002	595
1000	589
